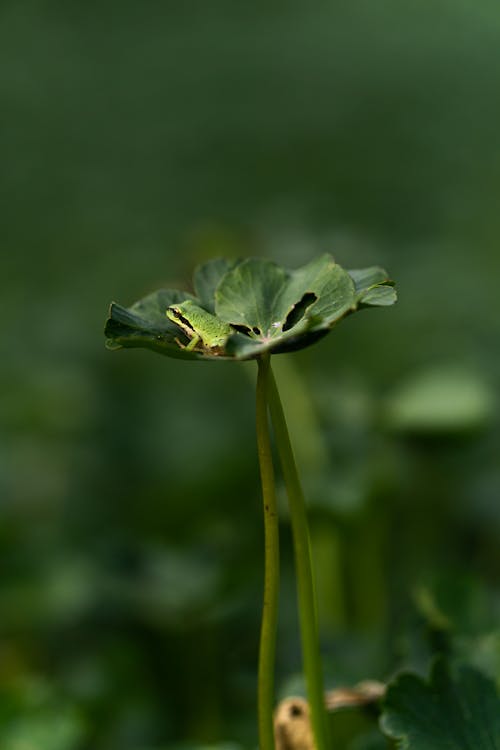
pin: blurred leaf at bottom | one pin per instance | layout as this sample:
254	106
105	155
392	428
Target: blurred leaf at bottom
458	709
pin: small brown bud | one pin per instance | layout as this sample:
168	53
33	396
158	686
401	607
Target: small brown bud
292	723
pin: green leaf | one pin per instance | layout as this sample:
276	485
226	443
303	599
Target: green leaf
458	710
270	300
281	309
270	308
248	295
146	325
206	279
373	287
329	283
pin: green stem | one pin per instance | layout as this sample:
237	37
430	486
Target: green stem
267	651
305	583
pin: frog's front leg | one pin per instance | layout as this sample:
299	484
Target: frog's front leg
192	344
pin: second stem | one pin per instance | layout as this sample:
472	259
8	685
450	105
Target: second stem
303	566
267	651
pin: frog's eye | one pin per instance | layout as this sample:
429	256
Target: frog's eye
176	313
180	317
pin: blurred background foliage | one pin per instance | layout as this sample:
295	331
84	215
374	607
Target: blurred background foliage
137	140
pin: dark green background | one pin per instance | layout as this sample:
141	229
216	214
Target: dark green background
138	139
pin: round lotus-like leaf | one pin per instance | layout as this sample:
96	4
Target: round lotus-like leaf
261	307
458	709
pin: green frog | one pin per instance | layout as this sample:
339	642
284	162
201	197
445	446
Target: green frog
201	327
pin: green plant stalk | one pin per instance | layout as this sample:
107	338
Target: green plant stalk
267	650
303	566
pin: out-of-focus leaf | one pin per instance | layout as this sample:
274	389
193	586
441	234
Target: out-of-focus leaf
34	716
429	608
441	400
482	651
458	709
60	730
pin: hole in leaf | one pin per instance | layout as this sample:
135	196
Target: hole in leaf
241	328
247	331
298	310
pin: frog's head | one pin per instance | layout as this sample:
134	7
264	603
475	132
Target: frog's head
179	313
